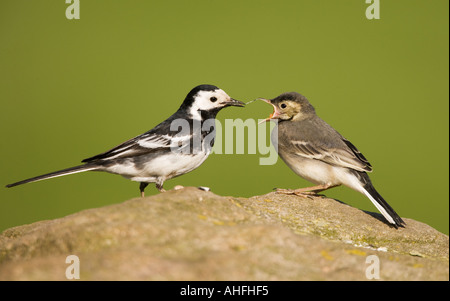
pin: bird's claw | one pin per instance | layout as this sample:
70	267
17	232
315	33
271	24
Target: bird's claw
298	192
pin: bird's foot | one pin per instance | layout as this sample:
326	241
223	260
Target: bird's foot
309	192
299	192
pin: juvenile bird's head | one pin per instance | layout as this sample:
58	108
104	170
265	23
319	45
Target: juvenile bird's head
290	106
207	98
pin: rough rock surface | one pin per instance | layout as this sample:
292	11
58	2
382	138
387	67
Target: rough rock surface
189	234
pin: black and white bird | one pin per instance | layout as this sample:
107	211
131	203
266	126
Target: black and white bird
318	153
174	147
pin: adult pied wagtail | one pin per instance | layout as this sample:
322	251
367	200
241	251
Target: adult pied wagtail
318	153
165	151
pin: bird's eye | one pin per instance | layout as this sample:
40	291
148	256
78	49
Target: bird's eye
283	106
213	99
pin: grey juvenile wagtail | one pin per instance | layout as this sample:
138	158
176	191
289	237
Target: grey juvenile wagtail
150	157
318	153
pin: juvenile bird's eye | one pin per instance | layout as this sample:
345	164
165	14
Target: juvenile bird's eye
213	99
283	106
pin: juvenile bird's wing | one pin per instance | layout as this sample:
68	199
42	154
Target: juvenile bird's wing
318	140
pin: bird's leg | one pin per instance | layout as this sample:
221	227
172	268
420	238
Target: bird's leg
142	188
159	185
307	190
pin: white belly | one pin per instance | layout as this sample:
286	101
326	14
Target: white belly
159	168
319	172
312	170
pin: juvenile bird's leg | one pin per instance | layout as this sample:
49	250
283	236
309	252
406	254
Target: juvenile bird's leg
142	188
307	190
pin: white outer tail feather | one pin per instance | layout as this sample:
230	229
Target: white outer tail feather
379	207
66	173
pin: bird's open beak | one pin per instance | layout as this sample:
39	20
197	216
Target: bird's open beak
274	115
234	102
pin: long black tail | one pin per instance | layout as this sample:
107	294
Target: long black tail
376	198
59	173
392	217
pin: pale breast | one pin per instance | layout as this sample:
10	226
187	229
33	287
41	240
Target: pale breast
312	170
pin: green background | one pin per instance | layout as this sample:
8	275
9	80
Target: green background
70	89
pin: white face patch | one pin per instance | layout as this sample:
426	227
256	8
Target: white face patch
204	100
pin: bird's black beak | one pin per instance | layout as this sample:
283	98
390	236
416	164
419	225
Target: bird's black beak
234	102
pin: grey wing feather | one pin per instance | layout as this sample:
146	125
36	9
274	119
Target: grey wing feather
318	140
334	156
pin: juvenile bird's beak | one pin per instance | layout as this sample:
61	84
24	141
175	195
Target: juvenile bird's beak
234	102
274	115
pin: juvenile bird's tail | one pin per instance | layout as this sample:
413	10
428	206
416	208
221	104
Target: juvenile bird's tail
59	173
385	209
